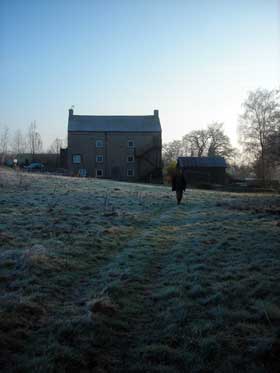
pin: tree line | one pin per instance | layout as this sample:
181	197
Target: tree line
259	137
29	142
211	142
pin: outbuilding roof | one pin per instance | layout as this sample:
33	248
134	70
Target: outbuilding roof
114	123
193	162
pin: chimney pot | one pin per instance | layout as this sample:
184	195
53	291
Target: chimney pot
155	113
71	112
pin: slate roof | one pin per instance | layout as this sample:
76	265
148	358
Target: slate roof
114	123
193	162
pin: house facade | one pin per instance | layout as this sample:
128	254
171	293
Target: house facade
115	147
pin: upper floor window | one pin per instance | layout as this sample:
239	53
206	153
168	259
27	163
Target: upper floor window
130	158
76	158
99	143
130	144
99	158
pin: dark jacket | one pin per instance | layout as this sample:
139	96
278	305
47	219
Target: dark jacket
178	182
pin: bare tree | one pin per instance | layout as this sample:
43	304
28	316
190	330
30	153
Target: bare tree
218	142
18	143
258	123
56	146
55	149
4	142
273	147
34	139
171	151
212	142
195	143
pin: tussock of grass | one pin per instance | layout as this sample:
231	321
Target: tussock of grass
103	306
163	355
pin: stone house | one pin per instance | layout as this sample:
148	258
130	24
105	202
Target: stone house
115	147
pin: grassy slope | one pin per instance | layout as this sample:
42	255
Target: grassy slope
114	277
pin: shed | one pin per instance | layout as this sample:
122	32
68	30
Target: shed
200	170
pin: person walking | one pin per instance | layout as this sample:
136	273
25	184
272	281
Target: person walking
179	184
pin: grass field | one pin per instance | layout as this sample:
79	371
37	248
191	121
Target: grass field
101	276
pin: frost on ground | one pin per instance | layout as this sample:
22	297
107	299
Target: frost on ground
101	276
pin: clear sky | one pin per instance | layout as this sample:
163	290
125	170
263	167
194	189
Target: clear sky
194	61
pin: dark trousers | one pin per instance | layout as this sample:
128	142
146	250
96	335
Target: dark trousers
179	195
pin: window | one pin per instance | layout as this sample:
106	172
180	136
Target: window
99	173
130	144
99	158
130	172
130	158
99	143
76	158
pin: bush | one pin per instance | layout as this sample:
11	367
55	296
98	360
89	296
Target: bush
169	171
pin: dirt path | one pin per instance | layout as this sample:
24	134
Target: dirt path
139	281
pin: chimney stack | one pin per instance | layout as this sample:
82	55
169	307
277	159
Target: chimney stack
71	112
156	113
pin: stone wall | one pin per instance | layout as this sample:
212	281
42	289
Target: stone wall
146	154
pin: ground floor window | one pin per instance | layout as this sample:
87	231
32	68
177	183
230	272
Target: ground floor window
130	172
76	158
82	172
99	173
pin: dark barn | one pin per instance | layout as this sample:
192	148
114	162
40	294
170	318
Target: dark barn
203	170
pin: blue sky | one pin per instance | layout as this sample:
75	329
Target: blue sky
195	60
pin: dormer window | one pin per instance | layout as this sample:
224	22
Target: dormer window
130	144
99	144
